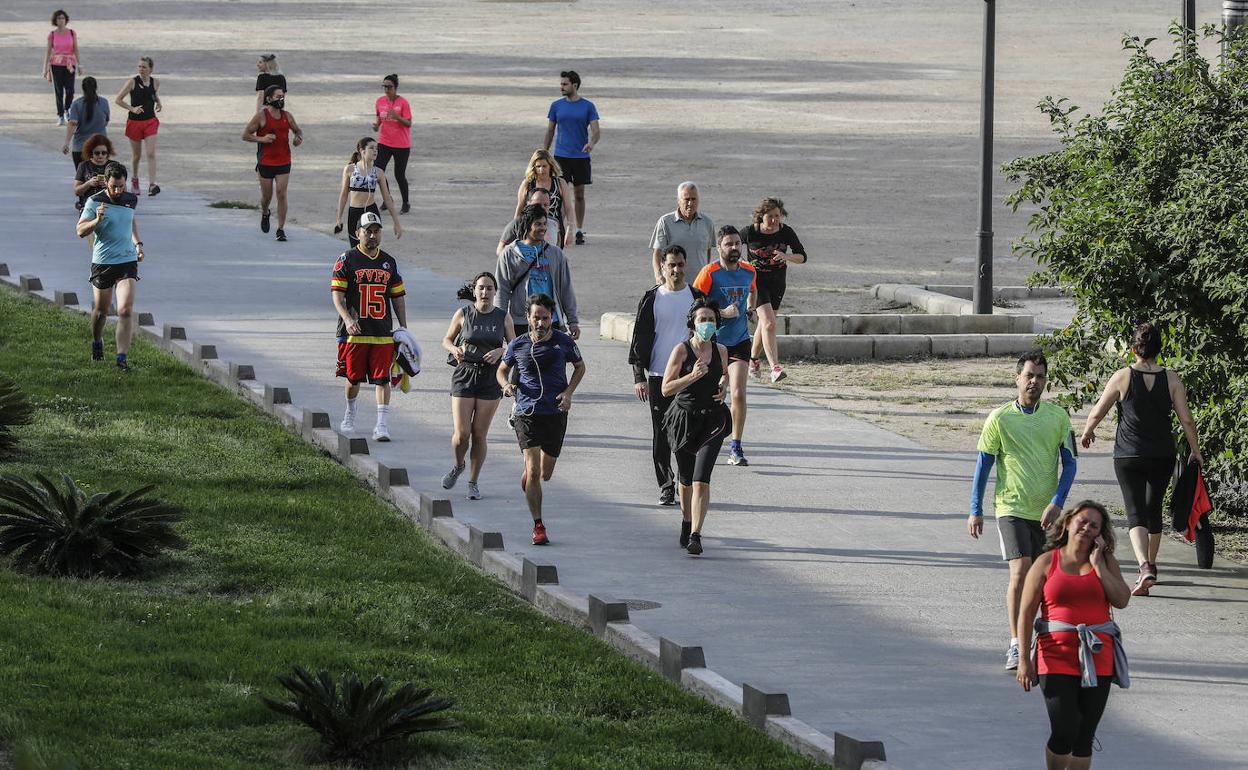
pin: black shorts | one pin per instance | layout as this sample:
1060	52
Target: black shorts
740	351
1020	538
1143	481
576	170
542	430
107	276
771	285
476	381
271	172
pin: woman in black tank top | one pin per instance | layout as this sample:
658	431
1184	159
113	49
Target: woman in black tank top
143	91
1145	394
543	173
697	421
475	342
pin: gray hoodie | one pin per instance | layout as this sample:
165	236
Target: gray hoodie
510	270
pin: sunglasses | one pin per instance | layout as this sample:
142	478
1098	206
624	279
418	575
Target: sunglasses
103	153
388	86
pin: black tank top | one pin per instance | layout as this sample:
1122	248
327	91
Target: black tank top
144	97
556	198
1144	427
701	394
481	332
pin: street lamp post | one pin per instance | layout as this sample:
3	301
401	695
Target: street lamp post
1234	17
982	291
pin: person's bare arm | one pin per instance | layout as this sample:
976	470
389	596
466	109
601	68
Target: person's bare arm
344	312
521	197
134	235
253	125
385	197
569	210
564	399
342	197
399	304
550	135
1112	395
156	105
594	136
509	334
673	383
502	376
1107	569
78	70
295	129
119	100
452	331
656	264
259	99
47	60
87	226
1033	591
69	134
84	187
1178	396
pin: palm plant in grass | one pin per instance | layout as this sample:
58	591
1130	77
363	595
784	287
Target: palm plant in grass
51	531
358	721
15	409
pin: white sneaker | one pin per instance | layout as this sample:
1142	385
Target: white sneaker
381	433
777	373
452	476
60	120
348	423
474	491
1011	657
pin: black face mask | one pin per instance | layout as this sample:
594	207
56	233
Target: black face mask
277	104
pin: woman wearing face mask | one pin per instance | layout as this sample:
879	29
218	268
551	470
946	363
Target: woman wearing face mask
697	422
271	129
476	339
361	179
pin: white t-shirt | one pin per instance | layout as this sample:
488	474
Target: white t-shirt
671	314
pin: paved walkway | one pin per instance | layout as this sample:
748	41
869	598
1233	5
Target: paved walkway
837	568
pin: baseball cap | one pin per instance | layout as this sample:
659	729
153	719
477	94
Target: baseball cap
368	219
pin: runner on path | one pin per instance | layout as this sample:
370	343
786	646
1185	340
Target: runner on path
1027	436
731	284
88	116
142	124
660	326
697	422
476	339
517	227
268	73
533	266
575	120
543	173
685	227
61	63
772	245
1145	394
368	292
115	256
361	179
543	399
271	128
393	122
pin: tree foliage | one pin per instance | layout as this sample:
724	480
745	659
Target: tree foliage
1143	215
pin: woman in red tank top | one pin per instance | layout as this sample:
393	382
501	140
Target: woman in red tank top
1074	582
271	129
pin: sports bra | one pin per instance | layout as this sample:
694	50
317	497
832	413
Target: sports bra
362	183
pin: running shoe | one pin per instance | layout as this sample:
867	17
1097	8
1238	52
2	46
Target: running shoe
756	368
474	491
667	496
737	457
381	433
539	534
281	234
685	526
348	423
777	373
153	190
452	476
580	238
407	209
60	120
134	185
97	350
123	365
264	221
1011	657
524	481
695	544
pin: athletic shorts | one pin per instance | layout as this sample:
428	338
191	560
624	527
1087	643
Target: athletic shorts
271	172
542	430
576	170
107	276
1143	481
365	362
771	285
1020	538
138	130
476	381
740	351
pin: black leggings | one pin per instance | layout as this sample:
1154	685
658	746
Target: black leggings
400	155
63	87
1074	712
353	221
1143	481
696	465
660	447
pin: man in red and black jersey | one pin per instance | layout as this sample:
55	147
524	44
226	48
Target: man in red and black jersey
366	287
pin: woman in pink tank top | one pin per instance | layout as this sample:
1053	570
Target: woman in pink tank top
61	64
1073	584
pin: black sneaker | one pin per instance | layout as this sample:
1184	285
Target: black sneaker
264	221
580	238
281	234
407	208
97	350
695	544
123	365
685	526
667	496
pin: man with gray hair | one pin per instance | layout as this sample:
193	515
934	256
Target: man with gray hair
685	227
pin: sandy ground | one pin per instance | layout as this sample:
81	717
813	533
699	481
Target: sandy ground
863	116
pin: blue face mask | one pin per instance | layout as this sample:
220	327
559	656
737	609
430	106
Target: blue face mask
705	330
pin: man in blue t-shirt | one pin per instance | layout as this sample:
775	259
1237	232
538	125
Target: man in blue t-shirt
108	216
543	398
577	122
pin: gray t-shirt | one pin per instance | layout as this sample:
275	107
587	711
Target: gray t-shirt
671	314
694	237
86	128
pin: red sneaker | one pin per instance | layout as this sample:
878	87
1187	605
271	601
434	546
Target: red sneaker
524	480
539	534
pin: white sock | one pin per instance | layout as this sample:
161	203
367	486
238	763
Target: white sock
351	408
383	412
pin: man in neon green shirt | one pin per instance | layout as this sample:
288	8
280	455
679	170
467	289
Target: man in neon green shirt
1024	439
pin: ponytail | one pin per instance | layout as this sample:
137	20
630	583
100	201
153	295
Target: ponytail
89	98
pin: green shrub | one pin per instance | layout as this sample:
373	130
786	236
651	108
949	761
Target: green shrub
1143	215
51	532
15	409
363	719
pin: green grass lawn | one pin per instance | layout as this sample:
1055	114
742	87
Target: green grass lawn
291	561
